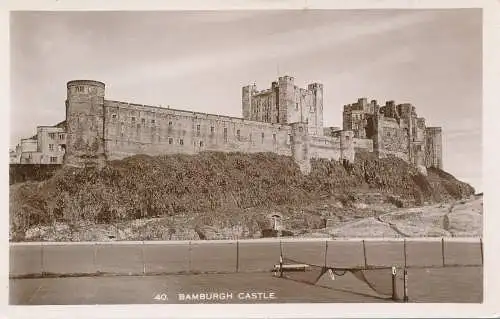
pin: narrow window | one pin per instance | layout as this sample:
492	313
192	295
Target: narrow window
262	137
274	137
296	106
170	140
181	141
212	129
225	134
238	134
198	130
201	143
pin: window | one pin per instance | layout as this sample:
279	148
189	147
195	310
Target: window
53	159
201	143
225	134
51	147
170	140
238	134
80	89
198	130
113	116
52	135
296	106
300	129
61	136
212	129
133	119
274	137
262	137
181	141
152	121
143	121
170	123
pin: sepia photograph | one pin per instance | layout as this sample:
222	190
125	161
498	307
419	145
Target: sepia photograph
316	156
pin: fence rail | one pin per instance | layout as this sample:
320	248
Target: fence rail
229	256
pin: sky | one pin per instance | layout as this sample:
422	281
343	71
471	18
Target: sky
199	61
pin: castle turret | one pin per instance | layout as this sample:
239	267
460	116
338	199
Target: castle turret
433	147
85	123
286	99
300	146
316	119
246	100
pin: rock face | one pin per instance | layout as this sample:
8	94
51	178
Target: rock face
221	195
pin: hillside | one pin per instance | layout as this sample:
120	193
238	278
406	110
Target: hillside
218	195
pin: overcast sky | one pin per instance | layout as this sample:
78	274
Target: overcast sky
200	60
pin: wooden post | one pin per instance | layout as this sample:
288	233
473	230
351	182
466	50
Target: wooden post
237	255
281	260
41	259
481	245
405	275
143	259
326	251
405	298
442	250
364	254
394	292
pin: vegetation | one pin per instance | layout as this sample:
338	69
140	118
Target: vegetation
218	188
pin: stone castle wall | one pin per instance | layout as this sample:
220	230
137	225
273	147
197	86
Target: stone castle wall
282	119
141	129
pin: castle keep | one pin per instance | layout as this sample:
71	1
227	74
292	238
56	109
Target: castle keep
283	119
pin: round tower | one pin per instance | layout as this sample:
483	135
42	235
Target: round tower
85	123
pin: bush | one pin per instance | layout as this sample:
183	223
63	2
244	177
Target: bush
219	185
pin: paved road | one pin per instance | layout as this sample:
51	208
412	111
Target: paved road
433	285
252	260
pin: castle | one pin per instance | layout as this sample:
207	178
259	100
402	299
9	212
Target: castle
283	119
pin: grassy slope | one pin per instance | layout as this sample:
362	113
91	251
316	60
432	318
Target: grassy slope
221	190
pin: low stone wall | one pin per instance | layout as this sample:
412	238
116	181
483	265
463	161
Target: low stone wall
229	256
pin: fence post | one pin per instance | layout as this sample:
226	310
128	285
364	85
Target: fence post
404	250
405	274
405	281
394	293
364	254
326	252
41	259
442	250
237	255
481	246
143	258
281	259
189	261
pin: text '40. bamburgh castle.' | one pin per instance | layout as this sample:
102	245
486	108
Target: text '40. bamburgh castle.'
283	119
